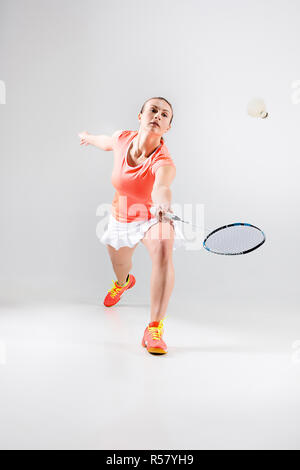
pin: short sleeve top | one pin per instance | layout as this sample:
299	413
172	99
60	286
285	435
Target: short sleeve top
133	184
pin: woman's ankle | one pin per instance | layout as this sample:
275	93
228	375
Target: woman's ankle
122	284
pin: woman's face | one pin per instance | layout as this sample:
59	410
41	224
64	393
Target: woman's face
157	111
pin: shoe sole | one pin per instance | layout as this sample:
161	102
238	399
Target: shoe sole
129	287
154	350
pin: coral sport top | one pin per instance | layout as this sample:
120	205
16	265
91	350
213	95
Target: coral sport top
132	200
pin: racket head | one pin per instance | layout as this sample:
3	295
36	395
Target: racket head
234	239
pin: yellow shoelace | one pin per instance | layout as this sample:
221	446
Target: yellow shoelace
156	331
115	289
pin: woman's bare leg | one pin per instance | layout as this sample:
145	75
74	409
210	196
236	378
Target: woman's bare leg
159	241
121	261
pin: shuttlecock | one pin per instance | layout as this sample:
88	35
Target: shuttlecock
257	108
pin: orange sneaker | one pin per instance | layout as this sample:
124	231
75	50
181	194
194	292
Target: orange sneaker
152	339
115	293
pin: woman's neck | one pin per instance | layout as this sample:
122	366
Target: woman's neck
144	144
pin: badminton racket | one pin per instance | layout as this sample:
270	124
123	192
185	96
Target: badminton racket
232	239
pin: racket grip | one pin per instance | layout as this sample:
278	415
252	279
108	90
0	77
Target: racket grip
167	214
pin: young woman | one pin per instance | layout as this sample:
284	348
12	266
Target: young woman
142	175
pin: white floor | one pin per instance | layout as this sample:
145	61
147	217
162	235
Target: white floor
75	376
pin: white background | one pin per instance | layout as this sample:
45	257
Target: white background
70	66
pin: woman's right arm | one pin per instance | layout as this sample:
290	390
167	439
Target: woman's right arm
103	142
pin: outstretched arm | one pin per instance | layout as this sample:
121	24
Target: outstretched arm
161	193
103	142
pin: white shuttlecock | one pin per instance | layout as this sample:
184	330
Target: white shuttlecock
257	108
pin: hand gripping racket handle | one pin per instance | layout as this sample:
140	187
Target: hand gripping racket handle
175	217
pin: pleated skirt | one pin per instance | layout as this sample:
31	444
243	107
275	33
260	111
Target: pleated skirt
119	234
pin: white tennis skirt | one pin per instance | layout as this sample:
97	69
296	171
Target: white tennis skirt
119	234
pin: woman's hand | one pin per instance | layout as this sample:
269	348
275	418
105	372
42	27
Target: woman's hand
84	138
160	209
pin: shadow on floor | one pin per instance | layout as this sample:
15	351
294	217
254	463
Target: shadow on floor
181	350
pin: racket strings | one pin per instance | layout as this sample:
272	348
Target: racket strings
234	239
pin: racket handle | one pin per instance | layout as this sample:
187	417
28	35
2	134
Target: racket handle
167	214
172	216
175	217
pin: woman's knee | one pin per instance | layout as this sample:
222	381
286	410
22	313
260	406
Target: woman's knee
161	251
159	241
